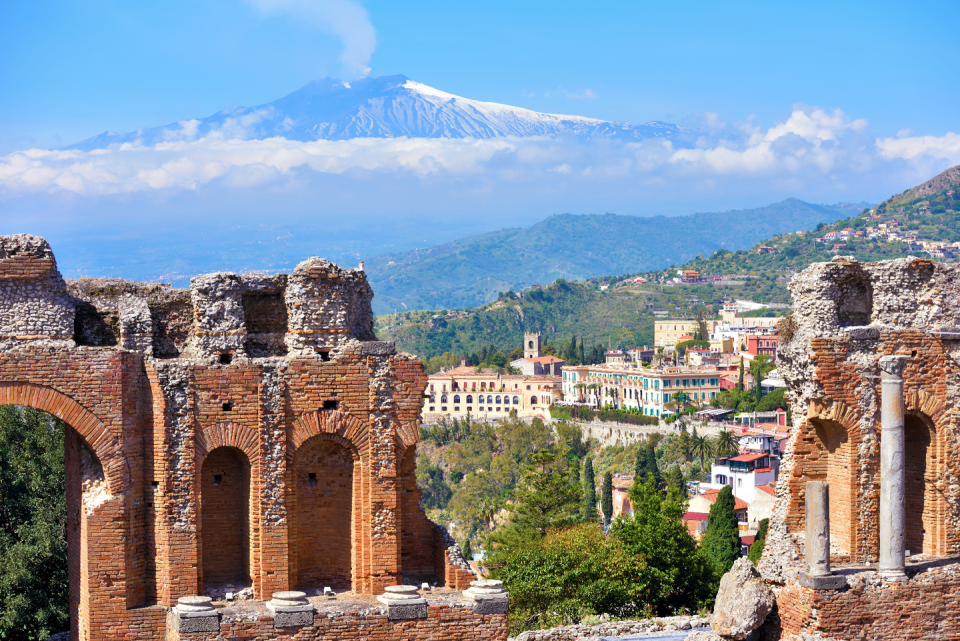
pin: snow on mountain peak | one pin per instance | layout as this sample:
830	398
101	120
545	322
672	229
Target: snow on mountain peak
381	107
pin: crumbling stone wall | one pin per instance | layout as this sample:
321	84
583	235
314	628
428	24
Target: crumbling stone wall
848	315
181	402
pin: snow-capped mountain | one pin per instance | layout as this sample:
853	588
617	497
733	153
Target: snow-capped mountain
382	107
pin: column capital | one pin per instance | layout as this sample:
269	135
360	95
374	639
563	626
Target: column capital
893	365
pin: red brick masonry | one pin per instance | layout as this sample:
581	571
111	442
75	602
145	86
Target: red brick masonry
249	431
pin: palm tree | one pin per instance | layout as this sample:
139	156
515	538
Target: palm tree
726	443
595	387
700	446
659	357
579	387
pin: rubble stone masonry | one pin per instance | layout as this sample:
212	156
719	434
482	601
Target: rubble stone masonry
249	432
847	316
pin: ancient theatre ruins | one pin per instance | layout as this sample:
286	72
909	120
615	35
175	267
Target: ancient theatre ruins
250	431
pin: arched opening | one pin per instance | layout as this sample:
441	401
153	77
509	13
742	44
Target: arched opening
922	500
324	480
225	518
834	466
52	483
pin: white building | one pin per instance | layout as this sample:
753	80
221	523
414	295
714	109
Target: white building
744	473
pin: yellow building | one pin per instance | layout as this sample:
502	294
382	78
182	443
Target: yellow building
485	394
667	333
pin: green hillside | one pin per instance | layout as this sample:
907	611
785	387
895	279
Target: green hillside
925	213
471	271
602	313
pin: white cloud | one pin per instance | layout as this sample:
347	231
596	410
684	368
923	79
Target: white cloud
586	94
815	124
811	150
347	19
909	147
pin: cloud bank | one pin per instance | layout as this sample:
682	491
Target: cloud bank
810	148
346	19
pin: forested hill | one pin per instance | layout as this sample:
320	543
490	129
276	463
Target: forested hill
471	271
927	213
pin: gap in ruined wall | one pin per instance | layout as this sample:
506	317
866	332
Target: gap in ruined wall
224	522
323	473
834	466
96	327
85	490
172	322
265	319
923	509
855	302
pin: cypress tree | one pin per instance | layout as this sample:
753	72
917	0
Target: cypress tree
756	548
740	383
721	541
606	498
675	478
467	550
589	492
640	465
652	467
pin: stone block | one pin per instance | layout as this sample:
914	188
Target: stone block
828	582
192	622
378	348
411	610
293	619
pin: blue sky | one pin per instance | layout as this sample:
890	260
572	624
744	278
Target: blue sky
867	90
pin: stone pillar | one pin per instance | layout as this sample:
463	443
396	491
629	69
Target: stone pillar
818	528
403	602
817	544
290	609
892	473
193	614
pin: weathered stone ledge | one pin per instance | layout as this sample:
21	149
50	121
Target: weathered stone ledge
614	628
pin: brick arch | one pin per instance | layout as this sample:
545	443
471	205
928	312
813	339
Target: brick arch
407	435
333	425
94	433
826	449
925	451
227	435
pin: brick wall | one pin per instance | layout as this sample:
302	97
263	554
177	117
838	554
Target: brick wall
924	608
184	473
443	623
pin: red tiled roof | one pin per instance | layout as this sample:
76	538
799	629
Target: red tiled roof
695	516
748	540
711	495
768	488
544	359
763	469
747	458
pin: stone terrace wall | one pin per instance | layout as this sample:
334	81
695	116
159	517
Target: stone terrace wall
848	315
177	400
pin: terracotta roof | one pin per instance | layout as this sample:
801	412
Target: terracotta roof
695	516
748	540
544	359
711	496
768	488
748	458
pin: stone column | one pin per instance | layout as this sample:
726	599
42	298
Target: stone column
817	544
892	473
818	528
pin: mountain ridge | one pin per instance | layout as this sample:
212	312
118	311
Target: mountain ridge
471	271
381	107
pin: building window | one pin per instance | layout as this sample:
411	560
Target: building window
516	400
481	408
489	400
469	398
443	409
498	400
469	409
433	409
456	399
443	399
533	400
528	387
456	409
